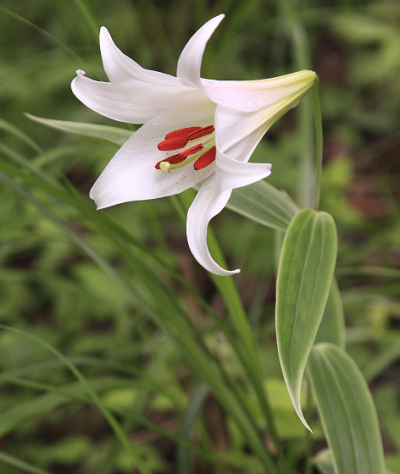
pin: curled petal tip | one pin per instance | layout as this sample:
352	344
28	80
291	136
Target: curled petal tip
207	204
103	30
232	174
189	63
217	270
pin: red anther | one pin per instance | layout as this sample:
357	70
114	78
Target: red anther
181	133
200	133
206	159
172	160
192	151
172	144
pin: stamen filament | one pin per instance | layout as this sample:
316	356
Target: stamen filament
207	152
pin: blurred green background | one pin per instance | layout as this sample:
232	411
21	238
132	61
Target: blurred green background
52	287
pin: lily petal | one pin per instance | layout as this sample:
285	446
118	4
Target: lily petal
189	63
116	63
238	132
103	98
144	87
254	95
208	203
232	174
131	174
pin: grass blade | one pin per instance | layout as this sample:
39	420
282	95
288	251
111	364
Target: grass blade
114	135
13	130
12	461
324	462
195	406
52	38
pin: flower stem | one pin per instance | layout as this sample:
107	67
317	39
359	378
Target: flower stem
302	60
247	353
319	139
240	321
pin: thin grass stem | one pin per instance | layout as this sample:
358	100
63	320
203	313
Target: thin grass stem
53	39
22	465
302	60
90	18
319	140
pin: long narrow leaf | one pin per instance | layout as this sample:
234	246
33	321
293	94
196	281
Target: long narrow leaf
264	204
13	130
43	404
114	135
304	281
347	411
22	465
192	412
49	36
324	462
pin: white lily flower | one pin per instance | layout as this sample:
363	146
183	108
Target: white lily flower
194	130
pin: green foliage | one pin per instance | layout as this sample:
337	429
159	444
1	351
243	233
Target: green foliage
304	281
117	291
114	135
332	327
347	411
324	461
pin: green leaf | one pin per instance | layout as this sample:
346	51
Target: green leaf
196	404
304	280
264	204
43	404
115	135
324	462
332	328
384	359
13	130
287	422
22	465
347	411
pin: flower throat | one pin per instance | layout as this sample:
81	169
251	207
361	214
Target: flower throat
202	153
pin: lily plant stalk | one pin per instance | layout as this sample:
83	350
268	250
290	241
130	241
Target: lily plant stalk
194	130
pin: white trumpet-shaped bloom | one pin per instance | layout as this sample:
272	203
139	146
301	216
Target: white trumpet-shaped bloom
194	130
